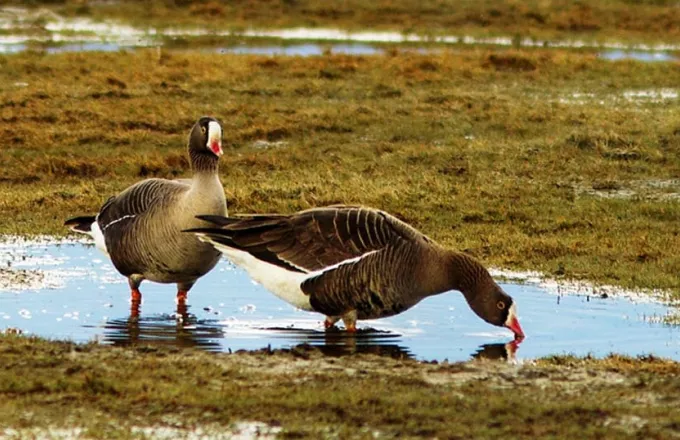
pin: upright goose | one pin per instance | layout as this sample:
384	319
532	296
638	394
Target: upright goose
140	228
354	263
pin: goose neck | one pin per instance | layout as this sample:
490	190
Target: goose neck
203	163
467	275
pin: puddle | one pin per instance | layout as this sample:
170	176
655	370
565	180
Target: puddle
84	299
41	28
651	95
657	189
637	98
305	50
637	55
86	47
235	431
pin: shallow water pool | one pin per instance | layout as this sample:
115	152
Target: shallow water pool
71	291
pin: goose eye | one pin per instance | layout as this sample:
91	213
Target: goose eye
203	130
500	305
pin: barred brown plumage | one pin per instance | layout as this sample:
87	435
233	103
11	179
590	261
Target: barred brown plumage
140	228
354	262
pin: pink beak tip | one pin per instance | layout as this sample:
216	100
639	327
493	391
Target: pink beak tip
516	329
216	148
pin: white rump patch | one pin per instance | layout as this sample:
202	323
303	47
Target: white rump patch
97	232
99	241
281	282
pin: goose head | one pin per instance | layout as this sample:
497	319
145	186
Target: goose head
496	307
206	137
484	296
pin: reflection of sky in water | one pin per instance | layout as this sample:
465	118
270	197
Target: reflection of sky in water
85	47
616	55
227	311
302	49
12	48
83	34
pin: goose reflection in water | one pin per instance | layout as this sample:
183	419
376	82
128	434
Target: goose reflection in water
337	343
184	329
378	342
497	351
181	329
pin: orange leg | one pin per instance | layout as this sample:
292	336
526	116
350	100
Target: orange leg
135	301
182	310
136	295
350	320
330	321
134	309
182	296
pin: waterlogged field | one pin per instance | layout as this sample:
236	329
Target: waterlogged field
544	160
560	161
623	20
70	291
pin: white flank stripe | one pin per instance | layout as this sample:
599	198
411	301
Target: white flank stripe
335	266
118	220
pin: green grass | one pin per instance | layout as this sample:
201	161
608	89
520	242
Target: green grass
503	154
107	391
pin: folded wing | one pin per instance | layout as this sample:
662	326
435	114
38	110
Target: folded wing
122	216
376	285
311	240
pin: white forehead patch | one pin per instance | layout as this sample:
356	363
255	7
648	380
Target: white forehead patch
214	131
512	313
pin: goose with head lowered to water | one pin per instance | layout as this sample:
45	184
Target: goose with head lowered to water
140	228
351	262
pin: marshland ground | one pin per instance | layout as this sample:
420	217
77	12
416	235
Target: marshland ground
530	159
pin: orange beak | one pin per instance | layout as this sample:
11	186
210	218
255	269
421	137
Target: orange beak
516	329
216	148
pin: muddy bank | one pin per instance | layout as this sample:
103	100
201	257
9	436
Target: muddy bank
305	394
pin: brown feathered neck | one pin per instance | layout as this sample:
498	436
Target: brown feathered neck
486	298
467	275
203	161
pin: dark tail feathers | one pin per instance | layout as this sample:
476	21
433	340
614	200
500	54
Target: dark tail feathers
217	220
80	224
207	231
217	235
